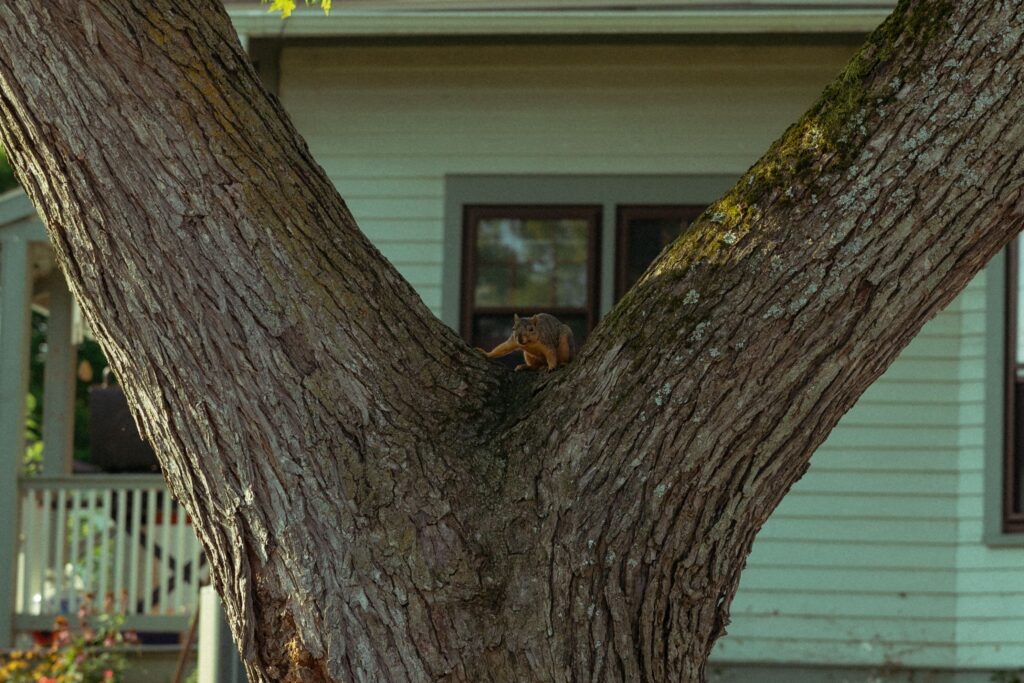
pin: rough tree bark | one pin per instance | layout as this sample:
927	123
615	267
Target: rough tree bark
380	503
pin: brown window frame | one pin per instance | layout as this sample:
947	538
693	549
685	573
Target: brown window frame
1013	519
625	213
471	216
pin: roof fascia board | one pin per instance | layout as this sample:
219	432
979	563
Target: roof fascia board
257	23
587	5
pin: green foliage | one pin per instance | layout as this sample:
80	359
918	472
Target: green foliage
92	653
34	402
89	352
7	180
1007	677
33	462
286	7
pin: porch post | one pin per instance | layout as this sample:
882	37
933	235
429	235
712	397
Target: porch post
218	658
15	299
59	383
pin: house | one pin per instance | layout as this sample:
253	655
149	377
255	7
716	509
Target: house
600	127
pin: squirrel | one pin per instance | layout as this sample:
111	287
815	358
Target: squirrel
542	339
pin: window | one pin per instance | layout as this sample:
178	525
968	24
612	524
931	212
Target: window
525	260
1013	459
643	232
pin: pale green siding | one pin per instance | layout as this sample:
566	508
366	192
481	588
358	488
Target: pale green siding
857	565
990	580
891	516
388	123
875	558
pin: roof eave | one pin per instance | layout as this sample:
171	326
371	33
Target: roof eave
257	23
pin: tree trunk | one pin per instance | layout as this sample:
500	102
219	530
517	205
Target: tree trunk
377	501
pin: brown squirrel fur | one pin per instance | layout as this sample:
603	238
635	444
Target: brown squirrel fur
542	339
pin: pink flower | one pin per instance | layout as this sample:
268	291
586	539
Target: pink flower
61	637
108	674
85	608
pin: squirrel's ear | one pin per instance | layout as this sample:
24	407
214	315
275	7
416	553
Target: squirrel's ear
536	318
515	317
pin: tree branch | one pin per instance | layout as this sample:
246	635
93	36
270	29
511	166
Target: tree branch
376	501
699	400
265	345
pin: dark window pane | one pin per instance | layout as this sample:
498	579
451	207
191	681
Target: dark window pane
1016	468
646	238
1017	294
1013	465
644	231
578	323
491	330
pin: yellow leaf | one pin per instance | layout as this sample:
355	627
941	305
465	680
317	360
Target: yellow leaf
285	7
326	4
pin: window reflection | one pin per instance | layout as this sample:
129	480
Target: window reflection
526	260
534	262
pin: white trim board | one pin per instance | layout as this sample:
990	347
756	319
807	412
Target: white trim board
702	20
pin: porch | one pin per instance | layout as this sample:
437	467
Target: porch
117	541
64	539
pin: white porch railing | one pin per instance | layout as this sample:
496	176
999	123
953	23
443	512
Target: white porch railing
121	538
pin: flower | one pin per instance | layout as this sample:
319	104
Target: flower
70	655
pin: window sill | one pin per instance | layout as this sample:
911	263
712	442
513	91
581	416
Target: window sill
1004	540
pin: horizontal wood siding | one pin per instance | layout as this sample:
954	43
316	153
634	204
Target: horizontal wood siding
875	554
857	565
388	123
990	581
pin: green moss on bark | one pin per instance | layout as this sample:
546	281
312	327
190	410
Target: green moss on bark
825	139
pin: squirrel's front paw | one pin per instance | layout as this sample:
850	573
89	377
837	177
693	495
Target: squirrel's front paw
480	350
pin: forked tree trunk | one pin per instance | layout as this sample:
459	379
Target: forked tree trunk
378	502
